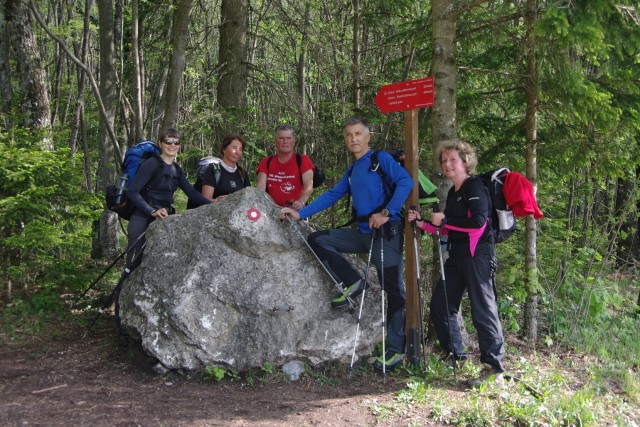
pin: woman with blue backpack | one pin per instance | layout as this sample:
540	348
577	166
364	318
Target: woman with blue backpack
151	191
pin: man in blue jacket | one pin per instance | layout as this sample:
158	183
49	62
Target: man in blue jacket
376	207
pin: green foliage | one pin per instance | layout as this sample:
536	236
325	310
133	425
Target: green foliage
575	394
215	373
45	215
23	318
320	376
267	368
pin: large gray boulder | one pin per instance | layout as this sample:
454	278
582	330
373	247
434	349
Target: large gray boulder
230	285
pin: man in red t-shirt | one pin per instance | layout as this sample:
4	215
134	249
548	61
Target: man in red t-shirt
280	176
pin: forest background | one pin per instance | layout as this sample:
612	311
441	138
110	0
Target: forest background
549	88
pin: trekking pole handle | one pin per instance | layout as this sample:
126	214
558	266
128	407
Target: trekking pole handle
413	208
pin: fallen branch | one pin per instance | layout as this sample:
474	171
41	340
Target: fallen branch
48	389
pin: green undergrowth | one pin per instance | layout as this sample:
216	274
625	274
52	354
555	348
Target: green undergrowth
572	391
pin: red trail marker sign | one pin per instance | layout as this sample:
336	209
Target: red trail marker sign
407	95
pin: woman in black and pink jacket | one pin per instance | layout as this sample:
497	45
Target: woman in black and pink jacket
471	265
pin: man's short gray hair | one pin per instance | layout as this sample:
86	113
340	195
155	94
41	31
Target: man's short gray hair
285	127
356	121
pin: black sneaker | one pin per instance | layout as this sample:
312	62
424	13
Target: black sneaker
352	291
391	360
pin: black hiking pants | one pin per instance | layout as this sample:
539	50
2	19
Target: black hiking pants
138	225
329	245
476	276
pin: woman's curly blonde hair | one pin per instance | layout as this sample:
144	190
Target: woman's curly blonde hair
467	153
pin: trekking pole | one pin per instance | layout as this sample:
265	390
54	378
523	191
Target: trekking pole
364	290
446	298
95	282
384	353
116	290
415	246
333	279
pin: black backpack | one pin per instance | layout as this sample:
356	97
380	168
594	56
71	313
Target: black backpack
503	222
318	174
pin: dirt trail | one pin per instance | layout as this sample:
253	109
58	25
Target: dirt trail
58	378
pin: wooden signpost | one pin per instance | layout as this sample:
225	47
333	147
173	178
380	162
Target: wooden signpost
409	96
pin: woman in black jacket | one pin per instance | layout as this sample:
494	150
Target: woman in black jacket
471	265
152	193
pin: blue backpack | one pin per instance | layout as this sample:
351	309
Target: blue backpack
116	196
134	156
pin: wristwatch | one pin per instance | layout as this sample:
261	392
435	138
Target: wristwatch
385	212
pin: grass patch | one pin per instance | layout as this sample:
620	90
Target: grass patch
576	390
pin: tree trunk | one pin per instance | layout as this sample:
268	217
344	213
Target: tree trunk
34	97
355	68
443	123
180	39
444	72
626	209
82	54
106	242
59	70
531	84
6	92
444	106
232	85
302	72
138	128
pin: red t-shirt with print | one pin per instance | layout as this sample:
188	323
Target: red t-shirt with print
283	179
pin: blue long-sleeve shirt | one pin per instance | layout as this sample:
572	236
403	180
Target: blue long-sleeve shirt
367	189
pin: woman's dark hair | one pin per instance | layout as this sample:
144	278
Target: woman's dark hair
229	139
226	142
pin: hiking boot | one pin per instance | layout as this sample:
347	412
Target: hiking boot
489	378
352	291
391	360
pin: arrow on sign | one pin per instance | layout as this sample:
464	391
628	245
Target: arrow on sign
407	95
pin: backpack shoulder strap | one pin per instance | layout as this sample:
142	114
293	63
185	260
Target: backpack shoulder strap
217	173
375	166
244	174
157	175
299	161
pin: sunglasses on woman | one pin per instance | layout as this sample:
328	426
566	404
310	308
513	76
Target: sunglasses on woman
172	141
